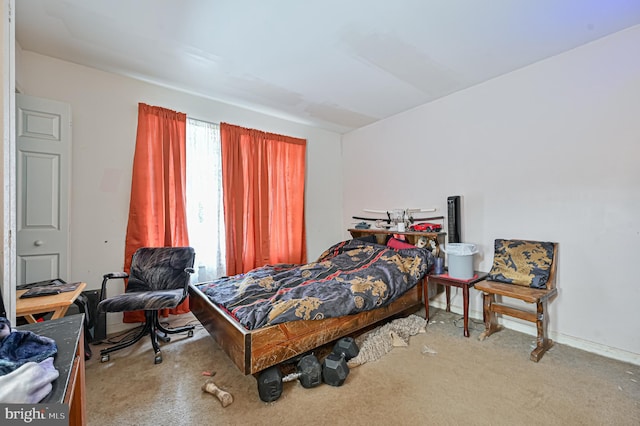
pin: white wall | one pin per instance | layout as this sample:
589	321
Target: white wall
104	113
549	152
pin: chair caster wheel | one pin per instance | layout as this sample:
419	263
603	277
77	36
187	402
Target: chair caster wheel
158	358
104	358
190	333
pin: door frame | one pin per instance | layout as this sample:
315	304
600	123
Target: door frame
8	128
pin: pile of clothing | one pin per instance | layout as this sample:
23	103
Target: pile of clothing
26	365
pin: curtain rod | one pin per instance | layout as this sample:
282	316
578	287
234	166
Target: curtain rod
204	121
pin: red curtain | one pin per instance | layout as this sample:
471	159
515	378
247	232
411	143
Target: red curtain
157	210
263	178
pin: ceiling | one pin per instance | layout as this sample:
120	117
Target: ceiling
334	64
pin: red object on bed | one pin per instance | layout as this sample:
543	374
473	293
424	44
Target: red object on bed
398	244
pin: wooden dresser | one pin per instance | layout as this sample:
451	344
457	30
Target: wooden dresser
69	387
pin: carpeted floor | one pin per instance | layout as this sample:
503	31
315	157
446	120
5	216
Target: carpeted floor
441	378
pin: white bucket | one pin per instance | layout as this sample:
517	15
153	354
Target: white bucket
460	260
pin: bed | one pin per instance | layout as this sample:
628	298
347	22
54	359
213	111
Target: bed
274	324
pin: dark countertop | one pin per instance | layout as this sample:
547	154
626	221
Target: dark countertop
66	332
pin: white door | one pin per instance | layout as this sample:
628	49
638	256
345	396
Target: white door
43	146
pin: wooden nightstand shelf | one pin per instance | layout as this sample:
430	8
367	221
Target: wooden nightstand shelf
411	236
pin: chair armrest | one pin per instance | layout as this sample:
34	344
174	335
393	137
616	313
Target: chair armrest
111	275
107	277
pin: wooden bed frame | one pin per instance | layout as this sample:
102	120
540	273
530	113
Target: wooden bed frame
255	350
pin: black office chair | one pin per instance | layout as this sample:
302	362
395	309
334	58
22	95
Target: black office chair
158	279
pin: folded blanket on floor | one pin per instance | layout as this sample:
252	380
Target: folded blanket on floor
29	383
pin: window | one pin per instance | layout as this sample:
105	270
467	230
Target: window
205	214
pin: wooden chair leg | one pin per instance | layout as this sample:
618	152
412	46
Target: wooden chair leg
543	341
490	318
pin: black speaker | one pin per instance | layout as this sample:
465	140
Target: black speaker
453	222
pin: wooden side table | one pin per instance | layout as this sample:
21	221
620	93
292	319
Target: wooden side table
447	282
57	303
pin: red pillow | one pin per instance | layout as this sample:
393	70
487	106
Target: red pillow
398	244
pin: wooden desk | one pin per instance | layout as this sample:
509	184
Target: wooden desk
447	282
69	387
57	303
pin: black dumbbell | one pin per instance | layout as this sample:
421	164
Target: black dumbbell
334	368
309	372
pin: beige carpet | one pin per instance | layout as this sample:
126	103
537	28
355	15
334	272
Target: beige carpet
441	378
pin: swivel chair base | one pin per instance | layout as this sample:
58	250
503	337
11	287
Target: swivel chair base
153	328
